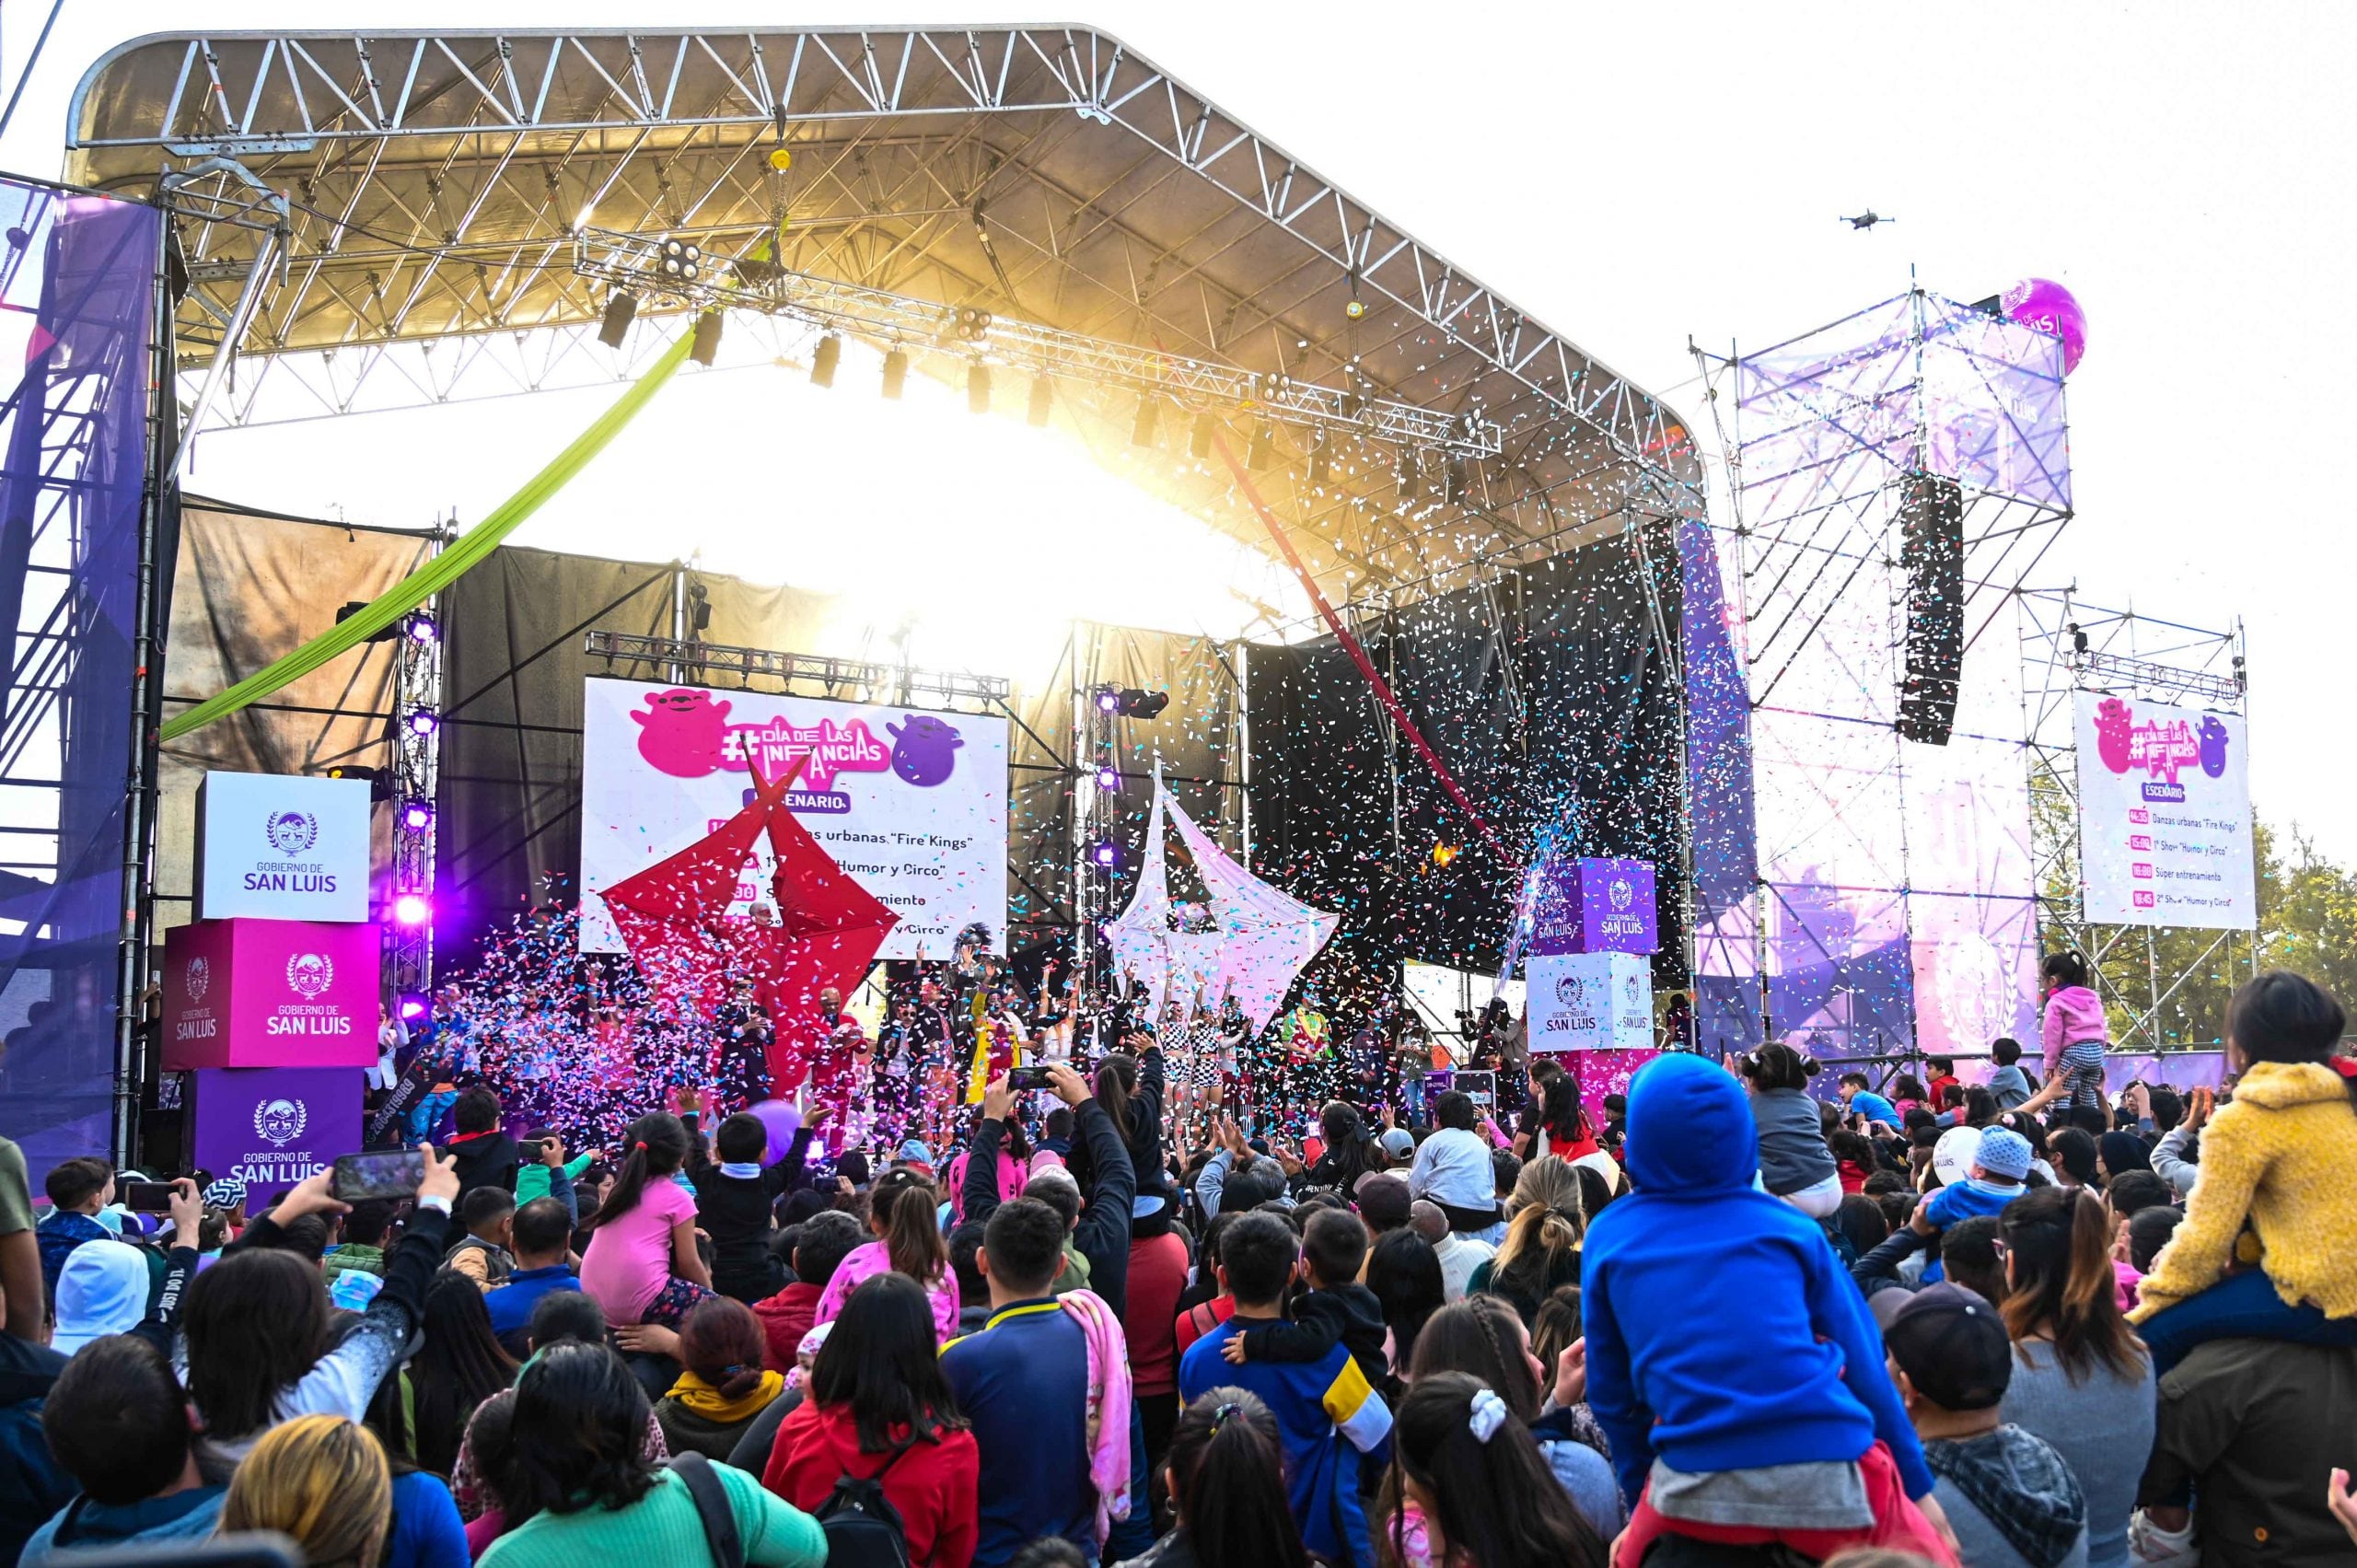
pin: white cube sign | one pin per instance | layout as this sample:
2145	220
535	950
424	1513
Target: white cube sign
281	847
1590	1002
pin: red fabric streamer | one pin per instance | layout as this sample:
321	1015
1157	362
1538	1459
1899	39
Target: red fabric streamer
1358	655
673	918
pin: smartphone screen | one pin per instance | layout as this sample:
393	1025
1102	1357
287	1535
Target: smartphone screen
381	1173
147	1197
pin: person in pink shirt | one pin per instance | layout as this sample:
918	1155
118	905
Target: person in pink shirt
642	1265
901	1211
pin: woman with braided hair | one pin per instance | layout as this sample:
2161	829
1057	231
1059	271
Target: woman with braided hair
1225	1469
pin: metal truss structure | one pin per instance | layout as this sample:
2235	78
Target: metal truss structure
2068	645
1895	905
1120	228
417	689
682	659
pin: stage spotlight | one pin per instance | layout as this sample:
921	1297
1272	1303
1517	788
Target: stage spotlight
679	261
417	816
422	628
1043	394
1149	414
896	372
1198	444
1452	484
411	908
707	344
1410	474
622	309
351	608
1130	703
1264	442
379	782
423	722
978	388
1318	466
1104	854
823	360
1108	778
974	325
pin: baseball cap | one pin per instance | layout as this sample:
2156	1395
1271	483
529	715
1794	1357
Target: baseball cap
914	1152
1952	1347
2002	1152
1399	1143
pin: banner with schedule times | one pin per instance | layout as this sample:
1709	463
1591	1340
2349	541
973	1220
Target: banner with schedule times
2165	823
911	804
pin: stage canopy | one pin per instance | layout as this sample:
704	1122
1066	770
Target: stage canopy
1163	270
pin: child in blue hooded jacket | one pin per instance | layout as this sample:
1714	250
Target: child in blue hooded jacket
1732	1364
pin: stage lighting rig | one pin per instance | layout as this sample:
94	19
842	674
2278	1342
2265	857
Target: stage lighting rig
1149	414
679	261
1043	398
978	388
823	360
1199	443
706	347
896	371
1129	702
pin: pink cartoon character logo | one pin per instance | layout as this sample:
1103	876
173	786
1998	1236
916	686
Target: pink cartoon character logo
682	732
2113	734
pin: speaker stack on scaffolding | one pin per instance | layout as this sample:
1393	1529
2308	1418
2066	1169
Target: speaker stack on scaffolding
1931	520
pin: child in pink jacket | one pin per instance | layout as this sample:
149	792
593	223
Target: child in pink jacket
2075	1033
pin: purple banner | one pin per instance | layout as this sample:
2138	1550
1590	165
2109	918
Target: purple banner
1595	906
77	300
1720	804
270	1127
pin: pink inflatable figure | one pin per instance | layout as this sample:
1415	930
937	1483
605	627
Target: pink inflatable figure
2112	730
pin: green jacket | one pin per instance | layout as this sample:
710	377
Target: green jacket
532	1179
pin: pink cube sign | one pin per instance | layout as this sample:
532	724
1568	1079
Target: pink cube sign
270	993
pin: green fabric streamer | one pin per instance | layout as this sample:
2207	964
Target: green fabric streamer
470	550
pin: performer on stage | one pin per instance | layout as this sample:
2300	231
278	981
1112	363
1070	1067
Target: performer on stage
836	1064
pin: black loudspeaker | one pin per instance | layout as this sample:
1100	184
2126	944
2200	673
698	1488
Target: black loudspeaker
1931	520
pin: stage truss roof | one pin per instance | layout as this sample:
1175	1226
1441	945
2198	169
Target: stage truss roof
436	187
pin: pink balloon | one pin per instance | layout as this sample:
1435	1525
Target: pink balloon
782	1120
2046	304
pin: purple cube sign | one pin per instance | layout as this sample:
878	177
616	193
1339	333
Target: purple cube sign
270	993
1595	906
270	1127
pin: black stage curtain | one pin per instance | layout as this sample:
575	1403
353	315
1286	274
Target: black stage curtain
509	835
1547	696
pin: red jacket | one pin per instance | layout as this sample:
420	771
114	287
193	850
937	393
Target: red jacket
1157	1278
785	1317
933	1484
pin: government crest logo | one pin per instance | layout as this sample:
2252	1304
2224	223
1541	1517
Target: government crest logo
291	833
279	1122
1622	894
1570	990
200	979
309	975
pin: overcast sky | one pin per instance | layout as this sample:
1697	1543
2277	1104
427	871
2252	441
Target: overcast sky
1633	176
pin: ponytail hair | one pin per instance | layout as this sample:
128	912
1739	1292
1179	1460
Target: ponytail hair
658	1146
2282	1017
1495	1501
1227	1462
1117	1079
2063	1283
901	1207
1548	1223
2063	968
1776	1065
721	1342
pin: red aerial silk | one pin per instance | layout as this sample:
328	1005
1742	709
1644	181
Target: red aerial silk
674	921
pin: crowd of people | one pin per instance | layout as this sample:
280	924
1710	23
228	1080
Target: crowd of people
1119	1311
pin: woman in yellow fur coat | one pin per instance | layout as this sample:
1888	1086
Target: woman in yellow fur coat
2278	1160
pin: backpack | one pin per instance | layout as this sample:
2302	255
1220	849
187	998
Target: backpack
863	1528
